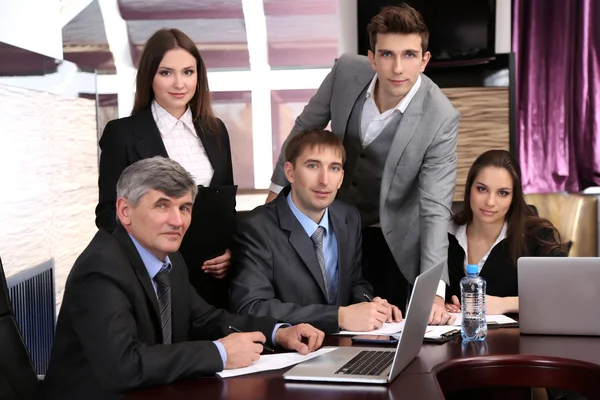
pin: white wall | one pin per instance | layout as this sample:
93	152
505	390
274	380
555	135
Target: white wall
48	176
504	26
347	27
34	25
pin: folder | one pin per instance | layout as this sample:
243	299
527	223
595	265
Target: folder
210	233
441	334
213	221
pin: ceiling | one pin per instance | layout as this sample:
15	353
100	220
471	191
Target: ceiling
300	33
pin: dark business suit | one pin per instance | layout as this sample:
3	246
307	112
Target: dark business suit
275	269
108	338
134	138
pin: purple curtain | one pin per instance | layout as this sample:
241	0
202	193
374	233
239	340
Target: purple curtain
557	47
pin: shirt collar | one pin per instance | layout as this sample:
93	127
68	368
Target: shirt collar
308	224
165	121
403	104
460	233
151	262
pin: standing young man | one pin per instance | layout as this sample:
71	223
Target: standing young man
399	132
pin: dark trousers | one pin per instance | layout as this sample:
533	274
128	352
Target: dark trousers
381	271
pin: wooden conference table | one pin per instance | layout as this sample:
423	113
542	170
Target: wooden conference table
417	381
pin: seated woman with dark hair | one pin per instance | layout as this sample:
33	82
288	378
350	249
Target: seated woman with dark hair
493	230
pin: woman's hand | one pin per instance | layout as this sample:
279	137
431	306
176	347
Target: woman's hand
494	305
501	305
218	266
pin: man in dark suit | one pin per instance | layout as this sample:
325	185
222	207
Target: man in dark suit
130	319
298	258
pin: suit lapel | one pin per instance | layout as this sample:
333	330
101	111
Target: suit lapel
406	130
149	143
299	240
140	270
340	228
339	120
212	149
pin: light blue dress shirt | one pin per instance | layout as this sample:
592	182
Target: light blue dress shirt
330	247
154	265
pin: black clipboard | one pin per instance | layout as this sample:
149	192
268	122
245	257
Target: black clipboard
444	337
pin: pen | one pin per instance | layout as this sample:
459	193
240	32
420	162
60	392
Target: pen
265	347
366	296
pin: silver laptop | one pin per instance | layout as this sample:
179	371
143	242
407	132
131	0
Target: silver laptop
559	295
371	364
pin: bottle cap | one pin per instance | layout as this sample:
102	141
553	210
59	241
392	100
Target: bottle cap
472	269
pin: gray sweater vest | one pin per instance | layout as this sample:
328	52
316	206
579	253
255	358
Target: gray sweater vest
363	169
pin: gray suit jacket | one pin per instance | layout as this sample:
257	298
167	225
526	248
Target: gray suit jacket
420	171
275	269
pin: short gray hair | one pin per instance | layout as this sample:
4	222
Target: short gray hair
156	173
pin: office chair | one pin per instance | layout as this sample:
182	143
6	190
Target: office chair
518	371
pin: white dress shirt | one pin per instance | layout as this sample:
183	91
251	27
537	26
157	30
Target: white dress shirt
183	144
460	233
372	121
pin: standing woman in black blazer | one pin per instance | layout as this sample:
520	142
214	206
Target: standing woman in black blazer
171	117
493	230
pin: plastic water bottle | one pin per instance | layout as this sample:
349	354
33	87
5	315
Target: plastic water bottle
472	293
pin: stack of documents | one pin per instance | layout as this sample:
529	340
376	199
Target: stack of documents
432	331
491	319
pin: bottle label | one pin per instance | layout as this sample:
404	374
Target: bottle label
472	305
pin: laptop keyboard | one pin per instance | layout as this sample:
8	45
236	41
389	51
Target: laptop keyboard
367	362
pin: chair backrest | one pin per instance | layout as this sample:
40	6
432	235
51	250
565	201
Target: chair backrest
18	380
575	216
464	374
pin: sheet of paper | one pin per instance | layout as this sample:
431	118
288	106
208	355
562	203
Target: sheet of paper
386	329
499	319
274	361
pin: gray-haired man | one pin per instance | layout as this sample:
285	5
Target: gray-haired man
130	319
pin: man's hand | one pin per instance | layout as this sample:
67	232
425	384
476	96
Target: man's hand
270	197
218	266
439	315
242	348
453	307
363	316
291	338
394	314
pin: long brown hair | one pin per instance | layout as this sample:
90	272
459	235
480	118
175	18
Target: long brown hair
153	53
523	223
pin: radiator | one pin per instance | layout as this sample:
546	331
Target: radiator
33	301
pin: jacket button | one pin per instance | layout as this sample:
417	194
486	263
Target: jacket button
353	183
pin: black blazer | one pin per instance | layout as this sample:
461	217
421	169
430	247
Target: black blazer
275	269
108	337
130	139
134	138
499	272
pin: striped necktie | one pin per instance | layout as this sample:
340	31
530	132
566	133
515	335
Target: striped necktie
163	292
317	238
